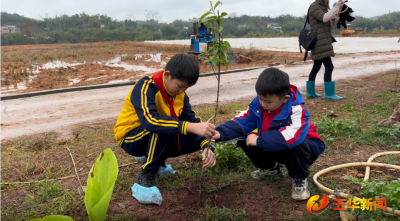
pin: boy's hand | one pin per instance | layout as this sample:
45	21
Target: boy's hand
251	140
205	129
209	158
216	136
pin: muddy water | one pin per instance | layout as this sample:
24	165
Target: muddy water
115	62
60	112
343	44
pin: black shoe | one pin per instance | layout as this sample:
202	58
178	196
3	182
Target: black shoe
147	178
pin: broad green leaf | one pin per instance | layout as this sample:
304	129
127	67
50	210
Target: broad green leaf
214	28
216	4
203	16
227	43
224	14
209	22
214	17
100	185
54	218
212	7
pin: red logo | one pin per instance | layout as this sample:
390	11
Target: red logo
317	203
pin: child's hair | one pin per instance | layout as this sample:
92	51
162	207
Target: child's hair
273	81
183	67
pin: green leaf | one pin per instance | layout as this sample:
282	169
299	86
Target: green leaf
205	15
214	28
54	218
209	22
224	14
100	185
212	8
216	4
227	43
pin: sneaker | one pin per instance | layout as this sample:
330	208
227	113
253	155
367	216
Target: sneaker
300	189
274	172
146	178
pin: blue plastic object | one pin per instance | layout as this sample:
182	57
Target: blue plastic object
146	195
142	160
166	171
163	171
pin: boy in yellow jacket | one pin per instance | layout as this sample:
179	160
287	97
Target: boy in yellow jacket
157	122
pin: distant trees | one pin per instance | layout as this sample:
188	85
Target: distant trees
100	27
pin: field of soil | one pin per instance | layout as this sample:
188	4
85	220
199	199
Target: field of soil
42	67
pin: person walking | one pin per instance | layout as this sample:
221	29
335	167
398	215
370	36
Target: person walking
323	20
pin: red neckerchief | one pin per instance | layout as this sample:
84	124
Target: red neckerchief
158	80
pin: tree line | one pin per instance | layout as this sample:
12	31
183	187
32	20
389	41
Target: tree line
98	28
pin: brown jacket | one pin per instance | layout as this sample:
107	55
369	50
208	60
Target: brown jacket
323	48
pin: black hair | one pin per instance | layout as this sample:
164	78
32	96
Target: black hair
273	81
184	67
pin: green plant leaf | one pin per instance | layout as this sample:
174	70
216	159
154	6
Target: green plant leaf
209	22
227	43
100	185
216	4
224	14
54	218
203	16
214	28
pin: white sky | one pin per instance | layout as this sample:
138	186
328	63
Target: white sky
182	9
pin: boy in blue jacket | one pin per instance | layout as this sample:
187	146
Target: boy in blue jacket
276	129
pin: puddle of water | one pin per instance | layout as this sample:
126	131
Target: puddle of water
19	86
343	44
129	67
59	64
89	79
155	57
118	81
74	81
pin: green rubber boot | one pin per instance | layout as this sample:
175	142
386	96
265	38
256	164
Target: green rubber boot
330	91
311	89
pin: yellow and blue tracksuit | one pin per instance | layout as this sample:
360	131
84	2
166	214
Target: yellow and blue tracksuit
145	126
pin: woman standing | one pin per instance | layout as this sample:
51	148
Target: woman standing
323	21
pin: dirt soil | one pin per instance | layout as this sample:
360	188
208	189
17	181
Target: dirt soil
61	112
260	200
42	67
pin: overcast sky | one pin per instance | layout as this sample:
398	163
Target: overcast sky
182	9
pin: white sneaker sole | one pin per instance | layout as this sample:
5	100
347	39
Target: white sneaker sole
304	196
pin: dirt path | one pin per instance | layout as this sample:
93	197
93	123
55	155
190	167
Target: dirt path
61	112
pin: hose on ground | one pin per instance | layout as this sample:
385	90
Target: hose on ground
366	177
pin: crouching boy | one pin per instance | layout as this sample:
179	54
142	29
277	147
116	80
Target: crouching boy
157	122
274	130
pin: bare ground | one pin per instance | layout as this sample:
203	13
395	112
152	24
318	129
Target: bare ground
61	112
44	156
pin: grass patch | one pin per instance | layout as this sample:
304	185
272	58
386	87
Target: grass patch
222	214
43	156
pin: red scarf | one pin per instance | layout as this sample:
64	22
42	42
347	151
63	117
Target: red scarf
158	80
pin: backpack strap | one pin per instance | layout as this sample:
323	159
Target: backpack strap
305	56
308	14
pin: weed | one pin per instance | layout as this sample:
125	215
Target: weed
230	158
375	190
380	135
330	128
349	106
217	213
